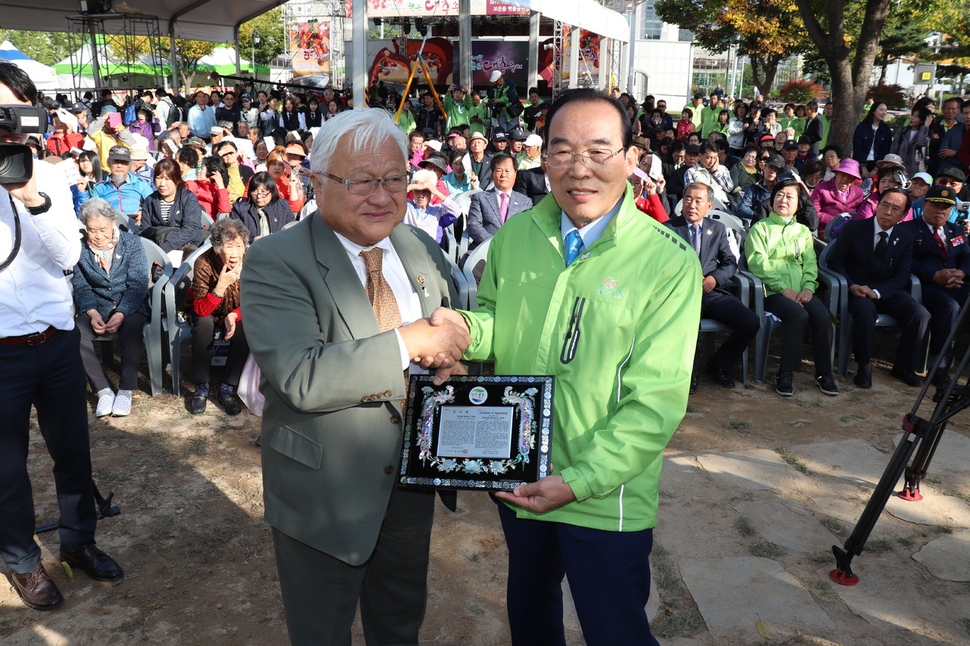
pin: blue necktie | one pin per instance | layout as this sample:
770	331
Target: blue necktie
574	246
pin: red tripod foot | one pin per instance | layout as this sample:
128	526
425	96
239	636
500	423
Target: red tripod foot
911	494
843	578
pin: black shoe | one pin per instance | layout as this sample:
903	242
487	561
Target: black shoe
783	384
941	380
908	377
228	398
827	385
721	377
98	565
863	377
199	399
693	383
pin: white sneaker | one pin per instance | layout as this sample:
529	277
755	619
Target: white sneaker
106	401
122	404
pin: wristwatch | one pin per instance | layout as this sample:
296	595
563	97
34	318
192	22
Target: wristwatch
43	208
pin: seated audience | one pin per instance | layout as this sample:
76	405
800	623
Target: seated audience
490	209
421	213
172	217
263	212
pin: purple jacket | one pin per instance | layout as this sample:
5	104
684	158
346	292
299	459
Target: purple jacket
828	202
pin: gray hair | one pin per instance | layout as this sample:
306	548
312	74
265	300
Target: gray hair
225	230
98	208
702	186
367	129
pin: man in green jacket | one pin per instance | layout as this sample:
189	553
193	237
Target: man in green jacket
586	288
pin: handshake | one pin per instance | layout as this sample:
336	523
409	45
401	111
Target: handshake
438	342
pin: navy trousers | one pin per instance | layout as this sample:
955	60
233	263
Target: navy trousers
944	306
608	573
901	307
50	377
728	309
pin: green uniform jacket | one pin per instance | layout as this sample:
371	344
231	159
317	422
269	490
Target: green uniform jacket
406	121
782	255
620	399
479	118
826	125
709	120
457	112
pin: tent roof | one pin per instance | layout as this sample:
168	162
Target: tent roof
210	20
42	75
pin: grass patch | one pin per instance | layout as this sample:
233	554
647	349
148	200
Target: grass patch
691	408
943	529
735	425
792	460
668	579
821	558
850	418
815	403
833	525
683	623
476	609
879	546
766	550
744	526
199	446
474	557
907	541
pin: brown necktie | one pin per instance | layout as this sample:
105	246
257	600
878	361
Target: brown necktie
379	292
382	298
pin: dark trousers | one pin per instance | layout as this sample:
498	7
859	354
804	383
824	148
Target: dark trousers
729	310
320	592
130	337
796	318
902	307
944	306
51	377
203	334
609	577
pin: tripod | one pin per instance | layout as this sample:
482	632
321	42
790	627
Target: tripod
921	434
103	508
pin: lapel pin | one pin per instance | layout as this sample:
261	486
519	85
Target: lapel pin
420	279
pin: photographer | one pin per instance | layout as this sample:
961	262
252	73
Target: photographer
41	359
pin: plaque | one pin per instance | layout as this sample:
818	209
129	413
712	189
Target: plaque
491	432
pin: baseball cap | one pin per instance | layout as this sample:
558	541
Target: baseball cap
78	107
195	141
533	140
120	153
926	177
499	136
518	134
216	130
692	149
496	75
245	97
775	160
942	194
139	153
790	145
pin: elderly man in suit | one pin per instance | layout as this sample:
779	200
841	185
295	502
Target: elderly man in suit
875	256
533	183
709	239
941	261
489	210
335	310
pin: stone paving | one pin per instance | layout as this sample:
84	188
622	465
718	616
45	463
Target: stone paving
783	511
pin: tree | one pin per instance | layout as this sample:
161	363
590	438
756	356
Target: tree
850	67
271	33
766	31
43	47
187	56
901	37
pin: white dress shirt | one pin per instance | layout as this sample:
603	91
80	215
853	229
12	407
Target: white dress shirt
34	292
592	231
408	302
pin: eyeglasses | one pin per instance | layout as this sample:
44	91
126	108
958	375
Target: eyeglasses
260	193
365	186
595	158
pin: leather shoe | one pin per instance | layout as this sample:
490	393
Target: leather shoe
98	565
37	589
721	377
863	377
197	403
229	402
908	377
693	383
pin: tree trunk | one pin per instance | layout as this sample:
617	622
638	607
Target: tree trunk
765	78
883	69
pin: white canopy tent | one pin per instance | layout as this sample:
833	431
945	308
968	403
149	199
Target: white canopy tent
42	75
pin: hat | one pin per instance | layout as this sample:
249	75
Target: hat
428	131
499	136
478	135
139	154
926	177
195	141
533	140
216	130
78	107
692	149
437	162
775	160
789	145
890	160
496	75
454	134
941	194
805	139
641	142
245	97
120	153
767	138
518	134
953	173
850	167
433	144
294	148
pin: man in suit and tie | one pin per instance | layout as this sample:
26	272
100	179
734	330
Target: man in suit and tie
533	183
489	210
480	160
709	239
335	310
941	261
875	256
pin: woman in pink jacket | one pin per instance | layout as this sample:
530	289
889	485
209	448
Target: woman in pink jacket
839	194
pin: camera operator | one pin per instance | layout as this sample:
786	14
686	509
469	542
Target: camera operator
41	365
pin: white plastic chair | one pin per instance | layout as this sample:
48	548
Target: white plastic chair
179	330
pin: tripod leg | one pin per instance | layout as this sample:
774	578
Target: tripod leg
921	463
853	546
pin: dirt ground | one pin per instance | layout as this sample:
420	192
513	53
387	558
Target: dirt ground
199	558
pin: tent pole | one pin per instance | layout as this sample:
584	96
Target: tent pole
235	40
95	68
465	42
534	49
173	60
359	49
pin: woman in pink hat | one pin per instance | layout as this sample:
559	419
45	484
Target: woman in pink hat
841	194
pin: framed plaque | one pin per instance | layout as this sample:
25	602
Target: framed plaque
489	433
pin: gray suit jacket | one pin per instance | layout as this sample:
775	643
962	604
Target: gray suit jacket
484	218
332	423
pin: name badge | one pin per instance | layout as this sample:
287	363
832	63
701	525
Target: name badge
957	241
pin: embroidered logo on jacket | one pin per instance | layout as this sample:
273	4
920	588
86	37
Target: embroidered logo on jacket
608	289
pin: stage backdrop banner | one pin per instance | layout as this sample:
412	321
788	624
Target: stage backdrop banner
310	48
391	65
507	56
433	8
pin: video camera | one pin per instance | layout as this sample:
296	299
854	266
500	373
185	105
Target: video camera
16	160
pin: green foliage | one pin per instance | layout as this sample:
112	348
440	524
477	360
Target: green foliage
800	91
272	34
892	95
43	47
